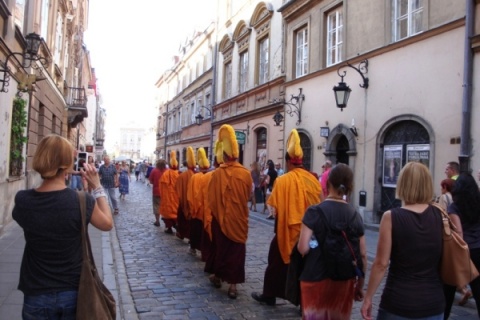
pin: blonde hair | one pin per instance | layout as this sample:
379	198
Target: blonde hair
53	156
415	184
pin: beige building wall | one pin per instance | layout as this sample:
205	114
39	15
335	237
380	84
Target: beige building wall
419	78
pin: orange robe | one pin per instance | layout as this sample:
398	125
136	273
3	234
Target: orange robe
194	196
207	211
182	188
229	190
169	203
292	194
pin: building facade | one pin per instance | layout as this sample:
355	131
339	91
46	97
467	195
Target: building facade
185	93
45	73
409	60
411	69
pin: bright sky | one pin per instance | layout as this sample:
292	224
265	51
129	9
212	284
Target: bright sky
131	44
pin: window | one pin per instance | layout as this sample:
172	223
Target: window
19	15
193	112
208	104
243	81
58	39
301	56
408	18
44	21
263	61
228	80
65	60
334	37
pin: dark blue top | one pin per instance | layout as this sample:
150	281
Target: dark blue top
107	176
51	223
471	231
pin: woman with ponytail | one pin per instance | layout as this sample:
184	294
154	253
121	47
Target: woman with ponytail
326	294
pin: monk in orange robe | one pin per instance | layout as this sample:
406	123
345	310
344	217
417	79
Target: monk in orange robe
229	190
183	215
168	194
292	194
196	185
207	245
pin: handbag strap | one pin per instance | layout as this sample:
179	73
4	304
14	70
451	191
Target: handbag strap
448	225
86	246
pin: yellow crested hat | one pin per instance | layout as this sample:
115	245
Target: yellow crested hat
226	135
294	149
191	158
219	151
202	159
173	160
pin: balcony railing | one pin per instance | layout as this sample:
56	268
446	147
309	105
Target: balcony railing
76	98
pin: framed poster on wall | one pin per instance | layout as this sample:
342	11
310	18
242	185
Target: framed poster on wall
392	163
419	152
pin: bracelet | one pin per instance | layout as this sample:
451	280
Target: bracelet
98	189
100	195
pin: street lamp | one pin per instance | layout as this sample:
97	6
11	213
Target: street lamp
342	91
30	54
278	118
199	118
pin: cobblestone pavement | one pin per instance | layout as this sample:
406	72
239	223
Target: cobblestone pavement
166	282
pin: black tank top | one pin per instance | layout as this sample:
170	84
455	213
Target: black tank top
414	288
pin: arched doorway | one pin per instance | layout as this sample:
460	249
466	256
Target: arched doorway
403	141
342	149
341	146
306	144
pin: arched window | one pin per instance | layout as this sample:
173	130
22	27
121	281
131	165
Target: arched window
261	147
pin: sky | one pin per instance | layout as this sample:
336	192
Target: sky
131	43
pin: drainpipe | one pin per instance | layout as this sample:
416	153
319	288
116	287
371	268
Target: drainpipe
214	85
465	138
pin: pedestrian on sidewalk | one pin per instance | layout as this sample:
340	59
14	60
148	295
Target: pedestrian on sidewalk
256	191
124	180
229	191
410	247
168	194
154	178
109	180
291	195
51	220
183	216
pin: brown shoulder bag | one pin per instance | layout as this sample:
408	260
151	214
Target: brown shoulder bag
456	267
94	300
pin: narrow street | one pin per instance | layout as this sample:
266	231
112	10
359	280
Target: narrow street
166	282
153	276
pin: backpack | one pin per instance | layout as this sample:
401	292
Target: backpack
341	251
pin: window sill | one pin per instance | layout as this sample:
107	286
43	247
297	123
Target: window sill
14	178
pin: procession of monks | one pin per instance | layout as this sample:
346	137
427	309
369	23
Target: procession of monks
210	209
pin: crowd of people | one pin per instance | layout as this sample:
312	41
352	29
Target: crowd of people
318	247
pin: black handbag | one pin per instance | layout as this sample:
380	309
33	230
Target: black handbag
94	300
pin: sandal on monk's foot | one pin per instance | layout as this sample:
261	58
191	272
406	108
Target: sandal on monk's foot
232	293
216	282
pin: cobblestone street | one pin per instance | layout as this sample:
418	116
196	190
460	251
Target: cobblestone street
166	282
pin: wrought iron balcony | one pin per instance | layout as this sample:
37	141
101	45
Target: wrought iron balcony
76	100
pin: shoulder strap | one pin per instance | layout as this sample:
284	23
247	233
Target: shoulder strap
86	246
447	223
